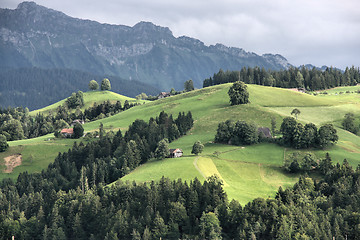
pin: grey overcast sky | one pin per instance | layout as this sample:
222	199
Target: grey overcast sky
320	32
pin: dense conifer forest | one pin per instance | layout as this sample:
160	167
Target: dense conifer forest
302	77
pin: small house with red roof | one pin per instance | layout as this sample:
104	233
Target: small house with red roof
174	153
67	132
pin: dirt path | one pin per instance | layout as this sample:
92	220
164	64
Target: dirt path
12	162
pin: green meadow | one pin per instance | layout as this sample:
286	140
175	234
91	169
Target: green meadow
247	172
89	99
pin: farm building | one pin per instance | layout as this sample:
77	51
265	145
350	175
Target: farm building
164	95
265	132
77	121
175	153
67	132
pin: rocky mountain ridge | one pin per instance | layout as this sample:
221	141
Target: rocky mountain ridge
35	36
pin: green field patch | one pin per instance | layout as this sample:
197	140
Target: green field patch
247	181
265	153
319	115
172	168
342	89
279	97
37	154
89	99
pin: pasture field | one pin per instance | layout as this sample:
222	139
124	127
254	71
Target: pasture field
89	99
247	171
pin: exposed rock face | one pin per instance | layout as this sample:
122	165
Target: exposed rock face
33	35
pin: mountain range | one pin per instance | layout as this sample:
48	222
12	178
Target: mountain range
35	36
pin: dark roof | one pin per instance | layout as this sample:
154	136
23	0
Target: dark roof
266	131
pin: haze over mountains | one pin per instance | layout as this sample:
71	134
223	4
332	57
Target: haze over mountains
35	36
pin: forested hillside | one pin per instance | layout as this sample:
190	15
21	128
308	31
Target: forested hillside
36	88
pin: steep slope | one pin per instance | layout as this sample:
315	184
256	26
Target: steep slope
32	35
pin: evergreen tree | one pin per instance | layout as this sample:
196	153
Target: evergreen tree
189	85
78	130
162	150
210	226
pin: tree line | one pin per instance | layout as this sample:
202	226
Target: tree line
16	123
302	77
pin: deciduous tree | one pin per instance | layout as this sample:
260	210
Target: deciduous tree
105	84
3	143
238	93
197	148
93	85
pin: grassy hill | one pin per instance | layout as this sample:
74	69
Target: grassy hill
89	99
37	153
247	171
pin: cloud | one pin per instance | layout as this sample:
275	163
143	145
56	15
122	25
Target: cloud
322	32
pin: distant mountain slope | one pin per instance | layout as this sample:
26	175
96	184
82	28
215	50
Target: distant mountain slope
35	88
32	35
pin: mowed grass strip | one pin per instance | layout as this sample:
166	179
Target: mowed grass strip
207	168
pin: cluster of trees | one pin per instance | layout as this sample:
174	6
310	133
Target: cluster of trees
299	162
239	133
105	85
311	80
44	206
350	123
105	109
296	135
16	123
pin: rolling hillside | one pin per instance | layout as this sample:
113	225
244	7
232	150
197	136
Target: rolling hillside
247	171
89	99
